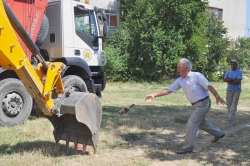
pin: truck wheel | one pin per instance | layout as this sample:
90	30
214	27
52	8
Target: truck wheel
16	102
76	82
43	32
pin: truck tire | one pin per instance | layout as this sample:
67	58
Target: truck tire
43	32
16	102
76	82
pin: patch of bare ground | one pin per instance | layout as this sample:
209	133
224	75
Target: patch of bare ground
218	153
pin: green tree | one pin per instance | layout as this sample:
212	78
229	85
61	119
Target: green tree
217	47
155	34
240	50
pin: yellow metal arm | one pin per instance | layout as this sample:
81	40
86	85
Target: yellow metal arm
52	78
12	57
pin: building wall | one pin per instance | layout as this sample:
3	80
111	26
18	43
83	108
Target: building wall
109	6
234	15
248	19
106	4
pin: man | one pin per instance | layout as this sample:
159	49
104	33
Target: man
195	87
233	78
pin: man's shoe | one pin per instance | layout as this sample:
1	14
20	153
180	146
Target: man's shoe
182	151
215	139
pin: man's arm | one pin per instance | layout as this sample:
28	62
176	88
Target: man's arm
163	92
232	81
216	95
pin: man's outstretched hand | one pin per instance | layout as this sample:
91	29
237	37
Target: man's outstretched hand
220	100
149	98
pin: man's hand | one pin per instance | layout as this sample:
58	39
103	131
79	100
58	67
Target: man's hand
216	95
220	100
149	98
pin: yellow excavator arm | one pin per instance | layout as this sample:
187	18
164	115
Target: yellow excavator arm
12	57
76	116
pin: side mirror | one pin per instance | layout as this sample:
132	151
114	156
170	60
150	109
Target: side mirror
103	24
105	28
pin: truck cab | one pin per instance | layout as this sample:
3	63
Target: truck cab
75	38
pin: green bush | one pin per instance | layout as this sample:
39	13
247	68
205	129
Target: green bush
213	77
246	71
115	67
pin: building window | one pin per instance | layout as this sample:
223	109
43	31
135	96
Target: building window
112	19
217	11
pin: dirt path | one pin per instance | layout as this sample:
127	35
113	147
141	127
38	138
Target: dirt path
175	159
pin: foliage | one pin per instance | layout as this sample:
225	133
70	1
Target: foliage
155	34
115	66
217	48
240	50
246	72
151	41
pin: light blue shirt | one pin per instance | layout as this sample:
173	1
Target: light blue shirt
194	86
233	74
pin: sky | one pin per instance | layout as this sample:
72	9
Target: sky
247	33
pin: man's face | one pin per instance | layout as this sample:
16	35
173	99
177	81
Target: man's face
233	65
183	71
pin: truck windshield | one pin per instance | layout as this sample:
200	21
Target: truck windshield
85	26
85	22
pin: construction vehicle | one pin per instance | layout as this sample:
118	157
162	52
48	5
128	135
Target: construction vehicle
65	31
76	116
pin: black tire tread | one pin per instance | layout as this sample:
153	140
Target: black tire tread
6	84
43	31
73	80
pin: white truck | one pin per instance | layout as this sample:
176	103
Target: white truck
69	32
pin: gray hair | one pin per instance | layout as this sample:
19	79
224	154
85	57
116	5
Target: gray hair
186	63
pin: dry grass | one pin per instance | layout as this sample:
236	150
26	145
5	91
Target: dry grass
147	135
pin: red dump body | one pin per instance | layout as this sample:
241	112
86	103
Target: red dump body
30	14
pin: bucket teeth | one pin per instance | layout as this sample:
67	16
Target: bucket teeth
57	134
76	142
68	129
67	142
77	120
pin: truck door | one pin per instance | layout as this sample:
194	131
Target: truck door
86	42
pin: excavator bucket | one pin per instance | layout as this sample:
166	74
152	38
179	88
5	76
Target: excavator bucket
78	120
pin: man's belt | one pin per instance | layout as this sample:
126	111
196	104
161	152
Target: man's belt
200	100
